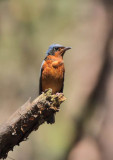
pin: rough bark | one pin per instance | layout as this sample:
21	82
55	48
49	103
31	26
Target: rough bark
27	119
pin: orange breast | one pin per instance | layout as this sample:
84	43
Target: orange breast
52	75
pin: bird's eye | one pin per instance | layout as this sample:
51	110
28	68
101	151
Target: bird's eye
57	49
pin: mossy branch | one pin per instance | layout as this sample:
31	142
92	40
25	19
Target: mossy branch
27	119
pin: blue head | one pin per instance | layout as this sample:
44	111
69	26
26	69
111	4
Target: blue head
56	48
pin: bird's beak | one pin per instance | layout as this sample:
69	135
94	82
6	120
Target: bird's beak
64	50
67	48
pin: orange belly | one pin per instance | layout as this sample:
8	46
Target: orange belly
55	85
53	78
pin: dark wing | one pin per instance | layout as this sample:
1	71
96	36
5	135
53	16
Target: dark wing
61	91
40	83
40	80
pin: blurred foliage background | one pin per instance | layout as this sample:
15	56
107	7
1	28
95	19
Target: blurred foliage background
27	28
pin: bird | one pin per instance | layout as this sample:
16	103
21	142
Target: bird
52	71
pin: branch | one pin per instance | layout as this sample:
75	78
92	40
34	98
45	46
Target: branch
28	118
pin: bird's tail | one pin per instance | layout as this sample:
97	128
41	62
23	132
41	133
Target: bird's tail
51	119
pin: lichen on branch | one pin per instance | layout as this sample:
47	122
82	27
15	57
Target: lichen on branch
27	119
